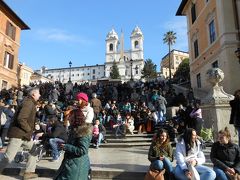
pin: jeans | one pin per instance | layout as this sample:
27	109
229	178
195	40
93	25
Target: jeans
164	164
12	149
54	144
220	174
204	172
100	138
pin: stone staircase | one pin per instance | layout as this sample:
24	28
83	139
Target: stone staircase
129	140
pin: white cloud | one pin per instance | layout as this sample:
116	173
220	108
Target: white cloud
59	35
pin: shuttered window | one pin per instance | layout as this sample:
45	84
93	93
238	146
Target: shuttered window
11	30
8	60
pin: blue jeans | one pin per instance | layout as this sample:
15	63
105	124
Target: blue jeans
100	138
164	164
54	144
220	174
204	172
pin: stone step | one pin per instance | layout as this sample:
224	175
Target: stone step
130	135
129	140
124	144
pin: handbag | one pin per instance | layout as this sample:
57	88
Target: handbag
195	174
153	174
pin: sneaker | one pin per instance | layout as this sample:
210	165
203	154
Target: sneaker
29	175
55	159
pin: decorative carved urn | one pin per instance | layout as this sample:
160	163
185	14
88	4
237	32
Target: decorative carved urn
214	76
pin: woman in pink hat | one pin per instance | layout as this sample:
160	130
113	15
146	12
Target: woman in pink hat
84	106
76	164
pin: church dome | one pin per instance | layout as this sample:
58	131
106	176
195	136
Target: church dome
112	35
137	32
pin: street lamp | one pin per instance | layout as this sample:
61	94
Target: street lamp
70	66
131	64
237	53
136	70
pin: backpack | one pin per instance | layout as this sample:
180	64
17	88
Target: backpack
3	118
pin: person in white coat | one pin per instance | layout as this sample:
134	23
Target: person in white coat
189	154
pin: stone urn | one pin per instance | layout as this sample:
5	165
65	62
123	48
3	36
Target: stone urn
214	76
216	93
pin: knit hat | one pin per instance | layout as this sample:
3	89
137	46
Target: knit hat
82	96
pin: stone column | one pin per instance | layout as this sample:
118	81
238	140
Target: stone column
215	106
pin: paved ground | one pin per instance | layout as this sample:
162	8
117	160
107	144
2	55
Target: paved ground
103	161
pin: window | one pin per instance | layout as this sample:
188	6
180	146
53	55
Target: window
8	60
93	71
136	44
199	80
111	47
4	84
195	45
193	13
10	30
136	70
215	64
93	77
212	33
25	76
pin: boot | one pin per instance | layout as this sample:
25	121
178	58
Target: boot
29	175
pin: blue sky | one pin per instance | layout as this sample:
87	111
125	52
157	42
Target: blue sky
64	30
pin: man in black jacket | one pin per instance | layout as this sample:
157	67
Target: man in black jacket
57	134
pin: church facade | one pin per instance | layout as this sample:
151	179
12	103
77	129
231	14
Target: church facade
129	62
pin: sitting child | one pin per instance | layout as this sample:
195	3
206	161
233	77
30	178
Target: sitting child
129	123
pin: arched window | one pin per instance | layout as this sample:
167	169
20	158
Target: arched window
136	44
111	47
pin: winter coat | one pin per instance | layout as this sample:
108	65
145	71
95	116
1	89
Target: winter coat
23	123
59	131
96	105
88	113
76	164
155	152
235	113
225	156
182	158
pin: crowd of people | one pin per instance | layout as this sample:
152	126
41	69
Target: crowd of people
70	118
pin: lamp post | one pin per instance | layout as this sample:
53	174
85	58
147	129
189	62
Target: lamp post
131	64
136	70
70	66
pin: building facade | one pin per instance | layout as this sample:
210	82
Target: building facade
213	37
129	62
74	74
24	75
176	57
10	29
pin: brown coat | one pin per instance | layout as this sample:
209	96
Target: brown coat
96	105
24	120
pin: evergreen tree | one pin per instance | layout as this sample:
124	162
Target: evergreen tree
149	70
183	72
114	74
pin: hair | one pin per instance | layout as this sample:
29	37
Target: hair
225	132
159	133
83	104
94	95
33	90
187	137
237	94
